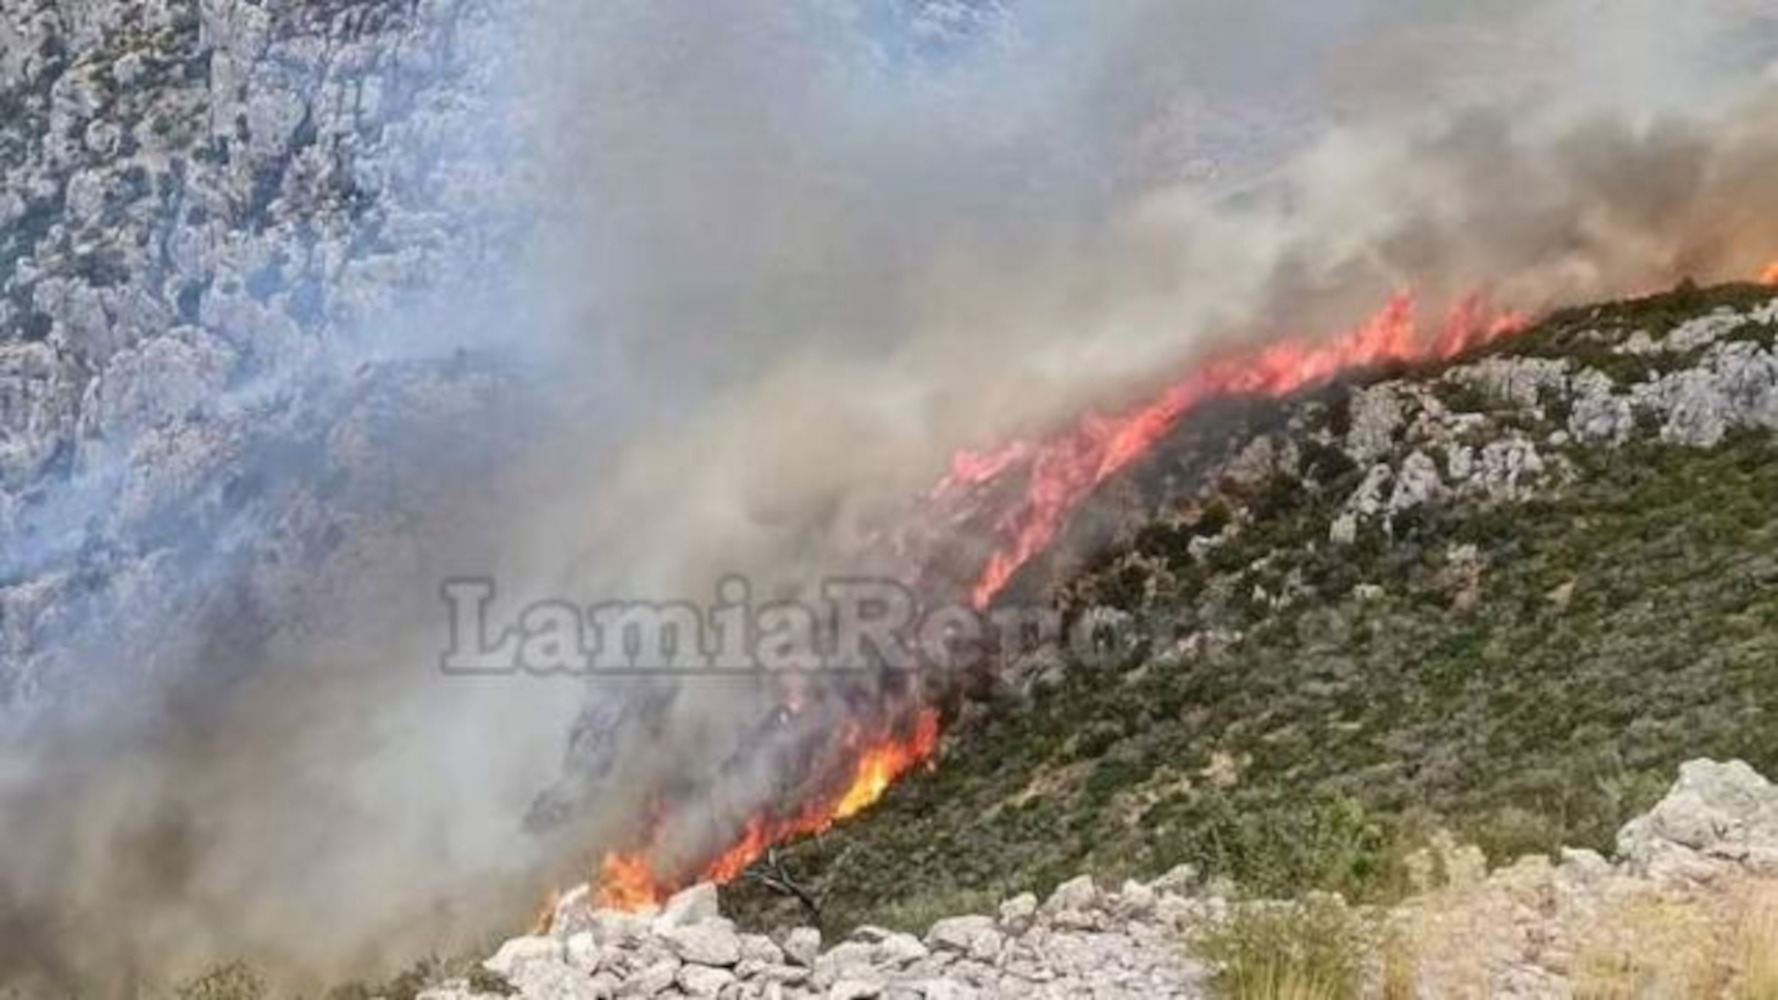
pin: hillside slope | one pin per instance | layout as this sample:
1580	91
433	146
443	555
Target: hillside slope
1505	598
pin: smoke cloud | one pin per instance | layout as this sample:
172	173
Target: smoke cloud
788	260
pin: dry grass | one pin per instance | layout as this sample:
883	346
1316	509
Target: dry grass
1755	945
1400	973
1629	942
1651	947
1313	950
1704	948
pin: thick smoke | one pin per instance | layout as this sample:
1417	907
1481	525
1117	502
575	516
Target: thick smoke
913	258
791	257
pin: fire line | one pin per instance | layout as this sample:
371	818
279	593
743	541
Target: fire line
1063	470
629	881
1060	472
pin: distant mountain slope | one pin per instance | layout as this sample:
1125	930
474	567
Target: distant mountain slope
1506	597
208	213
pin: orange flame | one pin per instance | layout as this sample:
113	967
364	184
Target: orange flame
882	764
629	882
1064	470
1770	275
626	882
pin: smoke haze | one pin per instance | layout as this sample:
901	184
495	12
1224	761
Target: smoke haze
787	261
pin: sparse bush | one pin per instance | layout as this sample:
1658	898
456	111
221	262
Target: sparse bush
916	915
1313	950
234	981
1330	844
1509	833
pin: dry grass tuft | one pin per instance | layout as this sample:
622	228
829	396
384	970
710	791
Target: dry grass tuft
1755	945
1313	950
1650	947
1725	947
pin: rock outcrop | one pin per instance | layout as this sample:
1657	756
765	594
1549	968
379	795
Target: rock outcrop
1719	816
1499	430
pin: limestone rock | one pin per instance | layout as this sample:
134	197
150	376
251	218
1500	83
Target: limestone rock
704	981
708	942
553	981
960	934
802	945
689	906
1717	816
1016	913
855	989
520	952
1076	895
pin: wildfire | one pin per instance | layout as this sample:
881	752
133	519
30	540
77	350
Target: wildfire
882	764
626	882
630	882
1063	470
1057	474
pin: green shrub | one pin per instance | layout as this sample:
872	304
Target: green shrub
1329	844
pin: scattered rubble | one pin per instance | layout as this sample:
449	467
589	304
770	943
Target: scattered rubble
1080	941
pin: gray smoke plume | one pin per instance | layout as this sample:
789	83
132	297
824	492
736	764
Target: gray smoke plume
1031	231
777	263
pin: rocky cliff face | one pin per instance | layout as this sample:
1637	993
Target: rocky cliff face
215	220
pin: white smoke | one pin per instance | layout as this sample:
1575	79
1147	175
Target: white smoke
797	253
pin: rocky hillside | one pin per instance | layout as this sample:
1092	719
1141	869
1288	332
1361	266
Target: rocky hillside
1496	603
1505	598
207	212
1492	605
1689	907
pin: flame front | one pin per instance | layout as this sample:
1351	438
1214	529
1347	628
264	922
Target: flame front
882	764
1058	474
1065	469
630	882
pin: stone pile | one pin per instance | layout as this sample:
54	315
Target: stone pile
1080	941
